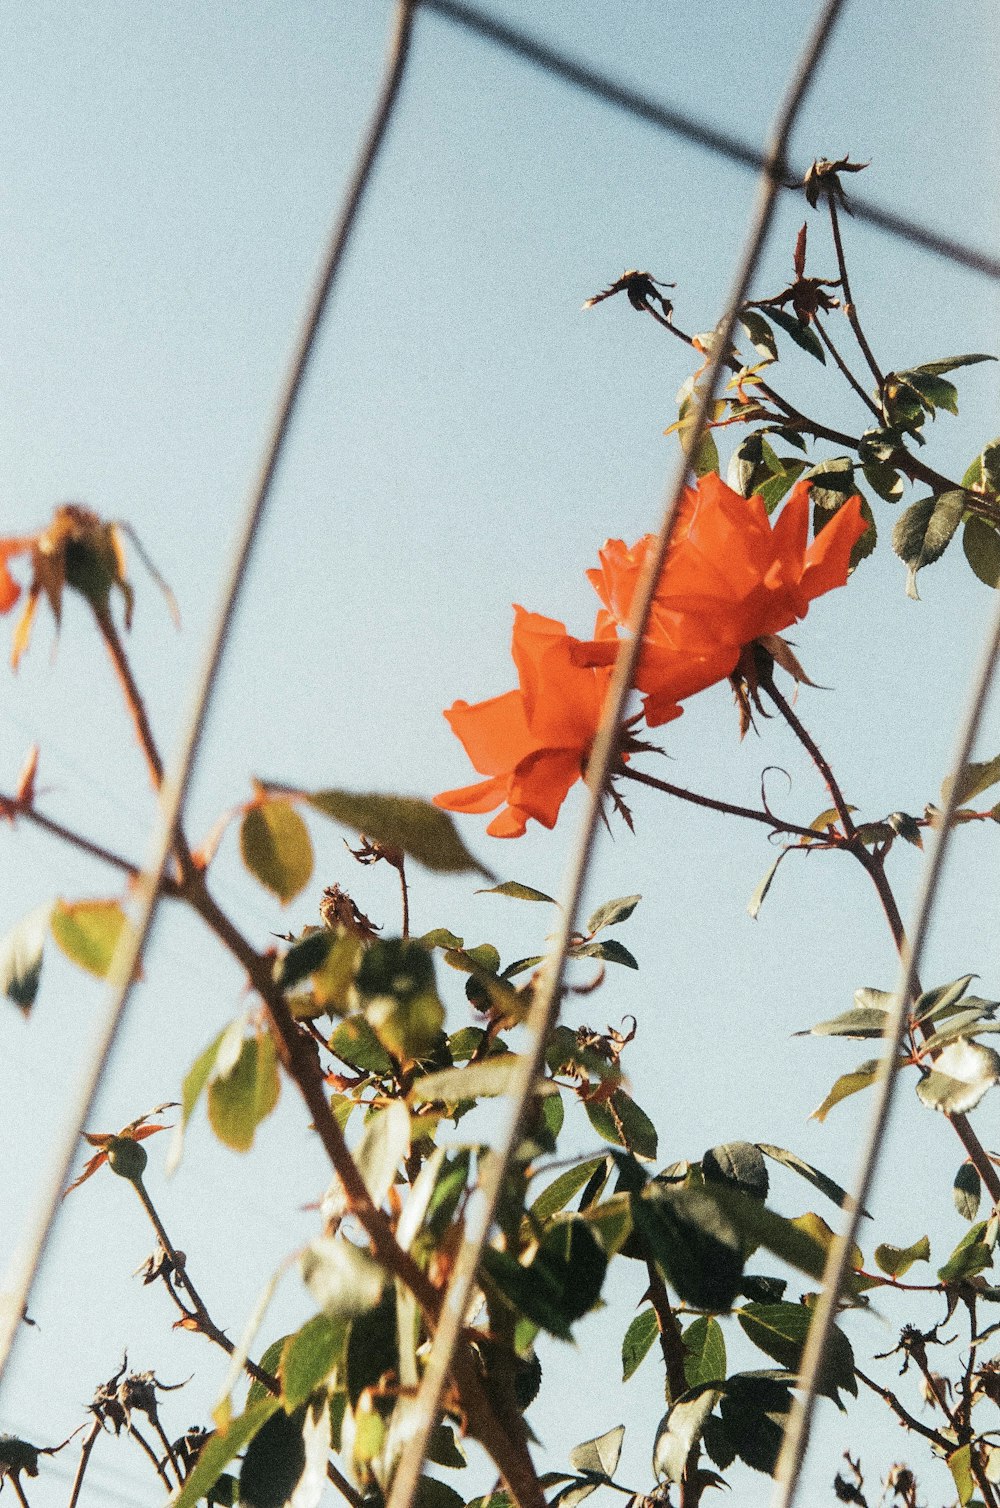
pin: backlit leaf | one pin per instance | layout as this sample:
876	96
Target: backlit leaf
88	932
601	1455
491	1076
344	1280
276	848
611	913
244	1096
309	1356
849	1083
974	779
962	1074
981	544
679	1431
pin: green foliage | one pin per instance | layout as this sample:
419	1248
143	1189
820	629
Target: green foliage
419	830
276	848
89	932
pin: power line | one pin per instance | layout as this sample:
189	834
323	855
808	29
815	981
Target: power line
699	132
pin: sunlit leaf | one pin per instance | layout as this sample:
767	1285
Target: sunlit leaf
974	779
517	892
679	1431
344	1280
850	1083
221	1448
760	894
424	832
21	954
601	1455
309	1356
276	848
611	913
962	1074
897	1260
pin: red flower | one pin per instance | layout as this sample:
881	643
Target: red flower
532	743
730	577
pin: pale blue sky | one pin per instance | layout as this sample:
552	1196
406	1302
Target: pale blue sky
467	439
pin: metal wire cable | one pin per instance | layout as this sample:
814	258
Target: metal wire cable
796	1441
176	784
699	132
545	1004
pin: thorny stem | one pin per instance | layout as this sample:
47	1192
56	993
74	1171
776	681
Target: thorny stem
729	808
866	398
815	754
401	869
140	718
15	1481
12	810
849	307
161	1470
911	466
905	1418
81	1470
300	1060
874	866
672	1348
207	1327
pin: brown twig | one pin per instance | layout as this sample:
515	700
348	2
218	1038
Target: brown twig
866	398
905	1418
140	1439
728	808
12	809
81	1470
130	691
815	754
850	308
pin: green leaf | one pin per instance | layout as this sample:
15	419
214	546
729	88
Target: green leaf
304	957
952	364
896	1260
705	1347
981	544
960	1466
860	1022
639	1337
355	1043
609	949
694	1244
344	1280
821	1181
444	1449
973	780
972	1255
679	1431
195	1080
780	1330
933	390
611	913
517	892
774	489
274	1462
793	1241
599	1456
924	532
562	1281
754	1413
384	1143
395	983
219	1449
759	333
757	899
802	335
487	1078
967	1191
561	1190
276	848
434	1494
89	932
963	1073
245	1095
739	1165
850	1083
21	958
423	832
333	980
621	1122
440	937
309	1356
884	480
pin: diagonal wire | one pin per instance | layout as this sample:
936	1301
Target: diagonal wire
796	1439
545	1004
698	131
174	791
